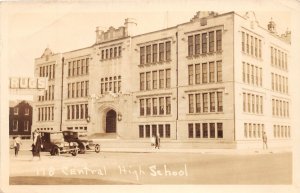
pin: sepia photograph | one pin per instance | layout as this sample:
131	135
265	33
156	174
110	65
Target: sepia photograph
117	94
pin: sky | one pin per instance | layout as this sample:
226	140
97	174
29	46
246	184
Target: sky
32	27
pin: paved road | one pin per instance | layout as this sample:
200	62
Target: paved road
152	168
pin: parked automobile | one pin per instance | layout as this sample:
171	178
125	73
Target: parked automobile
81	138
55	143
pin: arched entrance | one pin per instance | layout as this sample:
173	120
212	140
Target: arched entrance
111	121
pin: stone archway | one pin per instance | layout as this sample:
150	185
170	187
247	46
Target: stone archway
111	121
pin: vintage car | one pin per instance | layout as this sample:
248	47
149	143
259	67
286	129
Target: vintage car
81	138
55	143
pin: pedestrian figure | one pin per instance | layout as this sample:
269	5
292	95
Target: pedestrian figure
265	140
36	146
17	143
157	141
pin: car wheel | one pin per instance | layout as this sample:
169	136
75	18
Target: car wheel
55	151
74	152
97	148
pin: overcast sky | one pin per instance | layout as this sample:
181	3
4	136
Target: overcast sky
64	27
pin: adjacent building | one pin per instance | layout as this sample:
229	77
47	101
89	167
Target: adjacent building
219	80
20	119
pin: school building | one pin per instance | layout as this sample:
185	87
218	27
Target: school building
217	79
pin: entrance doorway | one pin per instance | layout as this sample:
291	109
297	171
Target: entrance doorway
111	121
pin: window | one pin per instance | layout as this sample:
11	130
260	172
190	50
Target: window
259	49
245	130
243	41
205	103
168	105
253	103
154	54
16	111
142	81
147	131
255	49
191	75
168	50
141	131
198	103
190	46
15	125
191	130
197	44
120	51
154	130
154	79
204	43
142	55
220	101
212	101
247	43
26	111
161	106
197	130
211	71
220	130
219	40
219	71
154	105
251	50
148	106
197	73
26	125
161	130
205	130
142	107
161	52
148	80
168	131
211	41
148	54
261	104
204	73
191	103
212	130
161	79
168	78
115	52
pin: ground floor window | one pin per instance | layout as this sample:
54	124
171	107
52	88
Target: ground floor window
281	131
253	130
146	131
77	128
205	130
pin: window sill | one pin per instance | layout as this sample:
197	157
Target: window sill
205	113
152	116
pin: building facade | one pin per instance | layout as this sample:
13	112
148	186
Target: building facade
20	119
218	79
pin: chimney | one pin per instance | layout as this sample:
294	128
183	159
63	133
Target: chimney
130	25
99	34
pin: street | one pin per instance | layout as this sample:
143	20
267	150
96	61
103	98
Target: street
152	168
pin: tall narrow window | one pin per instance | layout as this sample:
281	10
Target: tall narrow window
148	54
197	73
161	79
191	103
219	40
87	65
148	80
243	41
205	130
191	73
147	131
272	75
247	43
115	52
197	130
220	130
161	52
154	79
204	43
142	81
120	51
211	41
168	50
220	101
161	106
191	130
212	130
190	45
244	102
142	107
204	72
198	103
211	71
142	55
154	53
259	49
148	106
205	103
255	47
261	105
251	45
212	102
219	71
168	78
197	44
141	131
168	105
154	105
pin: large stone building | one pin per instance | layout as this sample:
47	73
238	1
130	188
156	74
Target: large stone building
219	80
